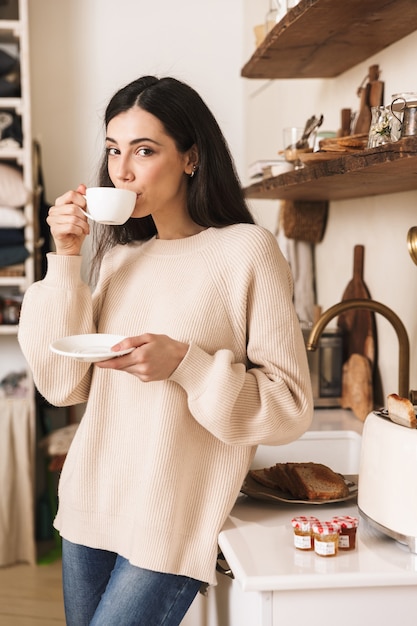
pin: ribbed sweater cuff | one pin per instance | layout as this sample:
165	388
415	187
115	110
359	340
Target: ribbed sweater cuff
63	271
191	373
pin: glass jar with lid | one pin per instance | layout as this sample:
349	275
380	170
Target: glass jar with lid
303	534
347	531
326	538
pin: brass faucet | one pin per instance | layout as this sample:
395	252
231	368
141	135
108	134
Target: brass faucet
378	307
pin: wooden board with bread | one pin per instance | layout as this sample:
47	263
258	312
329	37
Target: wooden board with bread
313	483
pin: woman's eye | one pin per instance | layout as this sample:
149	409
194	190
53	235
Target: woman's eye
145	152
112	151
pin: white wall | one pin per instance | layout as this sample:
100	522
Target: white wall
380	223
82	51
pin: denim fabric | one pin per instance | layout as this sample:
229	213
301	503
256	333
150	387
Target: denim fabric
103	589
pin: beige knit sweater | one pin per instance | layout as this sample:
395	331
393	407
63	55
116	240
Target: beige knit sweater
155	468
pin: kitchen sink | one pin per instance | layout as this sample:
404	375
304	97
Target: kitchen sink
338	449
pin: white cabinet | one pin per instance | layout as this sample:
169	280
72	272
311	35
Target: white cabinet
17	271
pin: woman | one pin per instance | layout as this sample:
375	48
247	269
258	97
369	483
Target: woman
219	366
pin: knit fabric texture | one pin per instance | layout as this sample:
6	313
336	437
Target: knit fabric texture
155	468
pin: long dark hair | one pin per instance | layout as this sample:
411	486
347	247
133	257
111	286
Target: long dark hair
214	195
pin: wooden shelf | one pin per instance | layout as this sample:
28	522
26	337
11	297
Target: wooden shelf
11	154
10	103
388	169
324	38
6	329
10	30
14	281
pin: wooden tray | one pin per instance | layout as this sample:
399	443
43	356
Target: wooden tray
317	157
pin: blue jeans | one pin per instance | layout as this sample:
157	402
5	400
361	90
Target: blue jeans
103	589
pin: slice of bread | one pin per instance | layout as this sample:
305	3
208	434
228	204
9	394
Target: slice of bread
275	477
303	481
318	481
401	411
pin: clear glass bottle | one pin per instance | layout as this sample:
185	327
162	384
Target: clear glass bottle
380	131
275	13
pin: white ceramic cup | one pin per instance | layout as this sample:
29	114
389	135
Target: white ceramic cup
108	205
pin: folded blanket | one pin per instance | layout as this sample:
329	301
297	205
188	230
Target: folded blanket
10	255
11	236
10	217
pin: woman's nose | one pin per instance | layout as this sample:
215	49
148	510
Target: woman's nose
123	171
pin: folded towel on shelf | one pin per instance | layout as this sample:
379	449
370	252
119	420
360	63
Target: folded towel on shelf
11	217
7	62
10	128
18	269
11	236
11	255
9	74
13	192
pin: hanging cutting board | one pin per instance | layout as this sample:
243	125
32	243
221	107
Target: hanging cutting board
358	325
371	95
359	344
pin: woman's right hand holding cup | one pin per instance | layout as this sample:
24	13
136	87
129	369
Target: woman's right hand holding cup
69	227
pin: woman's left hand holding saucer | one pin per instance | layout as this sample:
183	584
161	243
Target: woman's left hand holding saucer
154	358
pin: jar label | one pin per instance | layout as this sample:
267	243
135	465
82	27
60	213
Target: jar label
302	542
344	541
325	548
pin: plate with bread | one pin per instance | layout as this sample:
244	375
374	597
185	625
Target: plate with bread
303	483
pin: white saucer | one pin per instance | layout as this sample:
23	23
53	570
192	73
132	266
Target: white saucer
89	348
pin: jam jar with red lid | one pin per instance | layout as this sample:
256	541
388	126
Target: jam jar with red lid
326	538
347	531
303	535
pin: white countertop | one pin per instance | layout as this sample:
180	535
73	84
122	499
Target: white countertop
336	419
257	542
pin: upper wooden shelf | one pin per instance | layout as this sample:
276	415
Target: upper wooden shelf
9	29
388	169
324	38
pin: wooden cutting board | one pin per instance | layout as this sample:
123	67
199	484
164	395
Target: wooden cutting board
357	389
359	344
358	326
371	95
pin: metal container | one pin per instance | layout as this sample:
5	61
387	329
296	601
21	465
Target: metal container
404	108
325	366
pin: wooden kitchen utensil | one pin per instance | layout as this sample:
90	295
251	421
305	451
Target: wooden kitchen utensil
346	122
357	388
371	95
359	345
358	326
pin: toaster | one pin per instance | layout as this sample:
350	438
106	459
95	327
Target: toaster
387	491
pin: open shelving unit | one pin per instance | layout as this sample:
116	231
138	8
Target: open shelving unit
322	39
391	168
18	409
